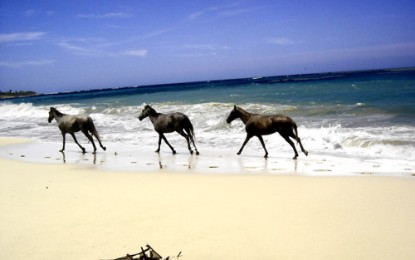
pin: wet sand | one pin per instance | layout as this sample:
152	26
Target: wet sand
122	157
86	210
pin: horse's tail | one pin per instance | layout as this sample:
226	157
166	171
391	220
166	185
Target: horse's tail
190	129
92	128
94	132
296	132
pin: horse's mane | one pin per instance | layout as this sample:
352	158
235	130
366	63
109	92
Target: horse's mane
152	110
243	111
57	111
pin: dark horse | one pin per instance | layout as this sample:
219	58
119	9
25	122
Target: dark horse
259	125
71	124
168	123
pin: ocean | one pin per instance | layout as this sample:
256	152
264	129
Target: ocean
365	115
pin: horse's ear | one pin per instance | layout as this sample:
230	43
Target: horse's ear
234	106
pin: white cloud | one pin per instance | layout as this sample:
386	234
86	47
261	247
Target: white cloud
205	47
29	13
281	41
135	53
199	50
195	15
19	64
98	49
79	50
234	12
160	32
21	36
104	16
196	55
222	10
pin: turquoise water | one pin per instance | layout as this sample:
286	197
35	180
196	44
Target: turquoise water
369	115
363	93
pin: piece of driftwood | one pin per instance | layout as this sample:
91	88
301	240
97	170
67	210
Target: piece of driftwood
146	254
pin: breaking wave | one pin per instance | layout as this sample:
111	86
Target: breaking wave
336	133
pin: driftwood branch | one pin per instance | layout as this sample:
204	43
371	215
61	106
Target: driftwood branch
146	254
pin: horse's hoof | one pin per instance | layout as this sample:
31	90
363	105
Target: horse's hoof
306	153
197	153
295	157
104	148
191	152
174	152
157	151
266	156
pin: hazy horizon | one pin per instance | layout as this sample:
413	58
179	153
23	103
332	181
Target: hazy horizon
60	46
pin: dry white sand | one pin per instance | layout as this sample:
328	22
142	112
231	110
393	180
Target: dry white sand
73	211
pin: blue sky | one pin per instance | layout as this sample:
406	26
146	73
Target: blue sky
53	46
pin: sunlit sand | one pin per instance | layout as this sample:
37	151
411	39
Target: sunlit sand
208	207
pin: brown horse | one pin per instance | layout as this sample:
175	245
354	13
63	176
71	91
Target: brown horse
259	125
168	123
71	124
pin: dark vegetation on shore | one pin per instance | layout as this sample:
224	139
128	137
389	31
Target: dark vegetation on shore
14	94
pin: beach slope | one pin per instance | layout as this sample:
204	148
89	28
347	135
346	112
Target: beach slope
61	211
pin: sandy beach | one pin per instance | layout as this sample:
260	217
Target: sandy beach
82	211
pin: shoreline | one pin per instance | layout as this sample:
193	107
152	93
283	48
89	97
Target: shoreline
133	158
77	211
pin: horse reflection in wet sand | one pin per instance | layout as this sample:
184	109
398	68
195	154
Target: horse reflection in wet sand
259	125
168	123
75	123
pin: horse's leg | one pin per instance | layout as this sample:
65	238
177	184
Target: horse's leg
299	141
287	138
248	136
99	141
194	144
94	132
263	145
63	141
190	135
158	149
86	133
76	141
301	146
165	140
187	137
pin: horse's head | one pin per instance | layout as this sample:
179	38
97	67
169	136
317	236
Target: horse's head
146	112
51	114
235	113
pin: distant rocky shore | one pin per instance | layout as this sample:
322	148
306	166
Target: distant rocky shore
15	94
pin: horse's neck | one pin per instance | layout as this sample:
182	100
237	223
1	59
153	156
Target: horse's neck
153	116
245	116
58	115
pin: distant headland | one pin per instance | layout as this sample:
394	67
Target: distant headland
15	94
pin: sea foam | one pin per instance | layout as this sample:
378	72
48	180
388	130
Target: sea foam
364	116
121	125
